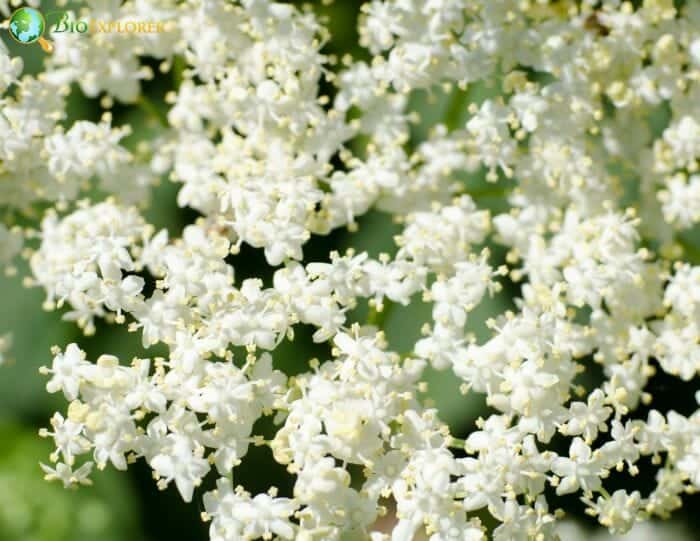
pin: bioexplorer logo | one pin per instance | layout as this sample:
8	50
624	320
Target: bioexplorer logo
27	25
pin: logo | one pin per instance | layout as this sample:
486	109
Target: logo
27	26
66	24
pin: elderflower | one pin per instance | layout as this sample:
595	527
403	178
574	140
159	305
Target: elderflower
545	181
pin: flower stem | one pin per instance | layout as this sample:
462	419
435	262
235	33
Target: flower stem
456	443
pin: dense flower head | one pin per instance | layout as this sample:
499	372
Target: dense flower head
271	141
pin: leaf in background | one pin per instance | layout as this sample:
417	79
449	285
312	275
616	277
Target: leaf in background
34	332
32	509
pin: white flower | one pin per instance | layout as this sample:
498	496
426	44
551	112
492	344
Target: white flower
272	140
83	257
442	238
237	515
182	462
681	200
587	419
582	468
67	371
618	512
66	475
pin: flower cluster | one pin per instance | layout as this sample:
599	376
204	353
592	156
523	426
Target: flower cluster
273	140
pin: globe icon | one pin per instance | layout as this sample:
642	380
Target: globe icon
27	25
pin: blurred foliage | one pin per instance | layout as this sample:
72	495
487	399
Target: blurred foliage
33	510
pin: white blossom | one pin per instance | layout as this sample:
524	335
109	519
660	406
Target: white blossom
272	140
